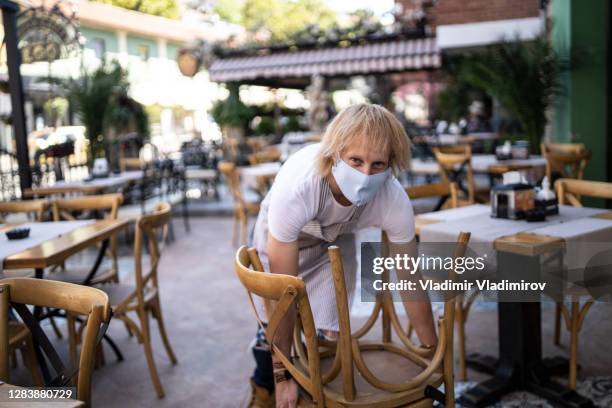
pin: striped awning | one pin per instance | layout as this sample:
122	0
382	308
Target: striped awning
392	56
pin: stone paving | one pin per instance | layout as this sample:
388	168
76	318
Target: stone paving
210	327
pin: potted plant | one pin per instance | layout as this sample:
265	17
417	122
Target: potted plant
524	76
231	114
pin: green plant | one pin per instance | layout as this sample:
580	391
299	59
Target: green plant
523	76
100	99
231	111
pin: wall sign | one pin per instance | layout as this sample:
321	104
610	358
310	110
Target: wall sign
46	34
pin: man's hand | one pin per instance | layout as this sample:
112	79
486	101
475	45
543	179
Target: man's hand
286	394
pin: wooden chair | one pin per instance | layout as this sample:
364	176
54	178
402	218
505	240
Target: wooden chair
456	166
449	199
82	300
143	296
265	156
445	190
568	191
242	208
106	205
326	369
567	160
36	207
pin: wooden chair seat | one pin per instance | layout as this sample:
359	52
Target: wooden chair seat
387	367
78	274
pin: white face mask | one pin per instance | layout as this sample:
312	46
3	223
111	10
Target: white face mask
357	187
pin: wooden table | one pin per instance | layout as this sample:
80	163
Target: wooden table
94	186
520	365
59	403
57	250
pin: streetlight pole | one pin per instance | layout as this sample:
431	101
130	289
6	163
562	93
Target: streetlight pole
13	57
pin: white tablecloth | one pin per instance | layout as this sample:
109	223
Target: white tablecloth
249	174
112	180
572	224
39	233
481	164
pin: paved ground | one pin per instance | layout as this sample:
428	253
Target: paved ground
210	327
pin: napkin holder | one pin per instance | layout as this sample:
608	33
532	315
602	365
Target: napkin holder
513	199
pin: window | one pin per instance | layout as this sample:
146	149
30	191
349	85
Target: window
143	52
99	47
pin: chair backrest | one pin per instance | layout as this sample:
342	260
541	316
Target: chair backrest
232	178
289	292
109	203
151	228
79	299
445	190
455	163
566	159
36	207
265	156
569	191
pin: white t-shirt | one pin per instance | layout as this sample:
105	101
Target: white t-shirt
294	201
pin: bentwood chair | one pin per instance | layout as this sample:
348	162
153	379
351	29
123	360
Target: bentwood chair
445	191
265	156
91	302
389	373
568	193
97	206
143	296
565	160
37	208
243	209
455	164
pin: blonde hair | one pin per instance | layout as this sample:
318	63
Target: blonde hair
378	127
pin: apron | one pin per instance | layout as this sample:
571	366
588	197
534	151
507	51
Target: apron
314	266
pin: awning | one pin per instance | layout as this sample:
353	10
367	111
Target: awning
391	56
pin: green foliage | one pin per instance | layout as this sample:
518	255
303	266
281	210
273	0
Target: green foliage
293	124
280	18
100	98
162	8
231	111
265	126
523	76
55	109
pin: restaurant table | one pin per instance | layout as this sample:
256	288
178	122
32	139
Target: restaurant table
29	403
520	365
452	140
485	163
56	248
93	186
259	176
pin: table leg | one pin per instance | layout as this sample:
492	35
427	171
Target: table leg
96	265
520	365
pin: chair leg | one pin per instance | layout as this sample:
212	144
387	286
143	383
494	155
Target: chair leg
460	320
29	355
235	232
162	331
245	229
146	341
573	362
13	358
56	329
557	335
72	338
